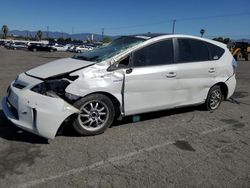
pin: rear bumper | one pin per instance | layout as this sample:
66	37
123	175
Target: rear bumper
36	113
231	85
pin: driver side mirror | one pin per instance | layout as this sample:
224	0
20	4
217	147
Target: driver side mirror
120	65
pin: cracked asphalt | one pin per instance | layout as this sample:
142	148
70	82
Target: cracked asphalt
185	147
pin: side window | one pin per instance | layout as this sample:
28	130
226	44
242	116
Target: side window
159	53
124	63
215	51
191	50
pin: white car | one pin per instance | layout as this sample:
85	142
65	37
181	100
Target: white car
60	47
132	75
82	48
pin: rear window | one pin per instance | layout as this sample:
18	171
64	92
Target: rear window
216	51
192	50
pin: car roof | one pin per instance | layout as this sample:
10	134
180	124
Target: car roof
148	35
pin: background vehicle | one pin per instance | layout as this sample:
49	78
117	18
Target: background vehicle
41	47
18	45
82	48
59	47
8	44
2	43
240	50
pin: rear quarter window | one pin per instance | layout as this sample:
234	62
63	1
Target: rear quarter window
215	51
192	50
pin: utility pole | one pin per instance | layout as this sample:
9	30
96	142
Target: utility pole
102	33
47	31
173	26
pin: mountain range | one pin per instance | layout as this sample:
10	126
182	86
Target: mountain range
78	36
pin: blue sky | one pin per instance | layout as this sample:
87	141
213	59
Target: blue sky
128	17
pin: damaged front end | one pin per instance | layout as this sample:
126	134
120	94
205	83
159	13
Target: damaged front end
40	106
56	88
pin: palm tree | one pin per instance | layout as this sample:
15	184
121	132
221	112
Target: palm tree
202	31
5	30
39	34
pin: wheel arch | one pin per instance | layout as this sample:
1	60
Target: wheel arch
115	101
224	89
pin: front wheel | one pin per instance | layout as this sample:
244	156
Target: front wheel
214	98
97	114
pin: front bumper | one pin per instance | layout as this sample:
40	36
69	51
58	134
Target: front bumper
36	113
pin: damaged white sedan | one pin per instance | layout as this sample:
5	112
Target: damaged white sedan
132	75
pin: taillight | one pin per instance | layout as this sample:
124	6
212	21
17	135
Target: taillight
234	65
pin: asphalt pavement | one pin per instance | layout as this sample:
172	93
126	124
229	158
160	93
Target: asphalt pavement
186	147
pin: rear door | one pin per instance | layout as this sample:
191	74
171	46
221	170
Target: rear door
196	72
151	82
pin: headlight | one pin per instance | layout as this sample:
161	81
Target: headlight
51	87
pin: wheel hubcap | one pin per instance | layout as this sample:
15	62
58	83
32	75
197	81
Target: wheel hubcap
215	99
93	115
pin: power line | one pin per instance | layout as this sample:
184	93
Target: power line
214	16
173	21
177	20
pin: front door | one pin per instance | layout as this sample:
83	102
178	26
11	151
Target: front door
151	82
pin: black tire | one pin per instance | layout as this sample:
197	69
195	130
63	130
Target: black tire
84	103
51	50
214	98
34	50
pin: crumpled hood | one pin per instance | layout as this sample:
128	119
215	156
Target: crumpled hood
58	67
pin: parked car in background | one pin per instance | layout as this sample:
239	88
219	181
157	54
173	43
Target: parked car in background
68	46
132	75
18	45
41	47
83	48
8	44
2	43
60	47
72	48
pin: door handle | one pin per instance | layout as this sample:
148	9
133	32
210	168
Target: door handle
171	75
211	70
128	71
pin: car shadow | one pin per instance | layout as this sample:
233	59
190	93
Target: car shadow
68	131
156	115
10	132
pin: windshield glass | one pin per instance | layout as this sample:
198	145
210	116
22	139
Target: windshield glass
114	48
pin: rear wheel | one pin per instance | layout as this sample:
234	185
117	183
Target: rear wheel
34	50
97	114
214	98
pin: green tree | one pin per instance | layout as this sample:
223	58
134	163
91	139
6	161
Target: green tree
227	40
223	40
106	40
68	40
5	31
39	34
61	40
